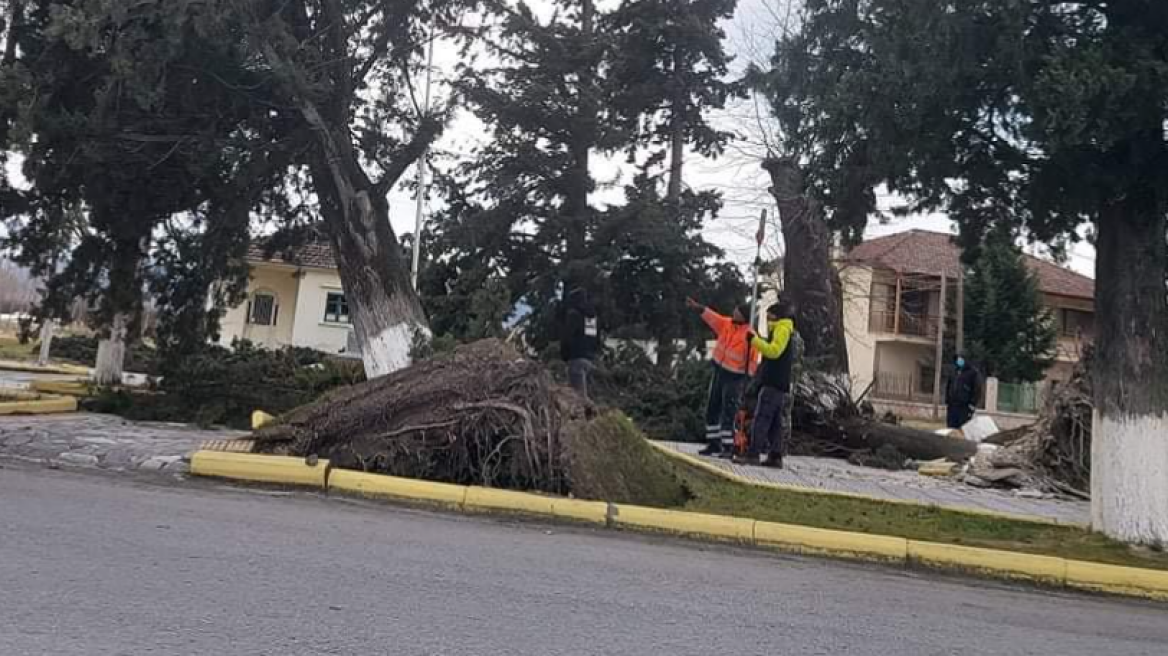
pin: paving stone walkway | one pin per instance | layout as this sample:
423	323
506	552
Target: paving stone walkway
842	476
103	442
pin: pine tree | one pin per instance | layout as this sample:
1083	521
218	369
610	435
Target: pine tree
1008	332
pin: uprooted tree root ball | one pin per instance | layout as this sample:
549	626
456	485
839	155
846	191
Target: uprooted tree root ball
479	415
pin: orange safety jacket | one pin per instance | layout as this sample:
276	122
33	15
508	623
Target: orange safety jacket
732	343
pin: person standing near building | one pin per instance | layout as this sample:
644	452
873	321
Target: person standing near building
774	386
579	339
730	364
962	395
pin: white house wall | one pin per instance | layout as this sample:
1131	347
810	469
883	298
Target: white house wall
310	329
857	302
275	280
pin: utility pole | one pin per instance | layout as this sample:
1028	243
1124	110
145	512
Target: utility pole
420	209
938	363
960	309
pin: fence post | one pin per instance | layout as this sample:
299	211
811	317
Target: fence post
991	394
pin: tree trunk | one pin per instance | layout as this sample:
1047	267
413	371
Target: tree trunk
810	280
111	352
46	341
1129	450
579	177
385	310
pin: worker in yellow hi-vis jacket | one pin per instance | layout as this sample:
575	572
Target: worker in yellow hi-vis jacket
774	385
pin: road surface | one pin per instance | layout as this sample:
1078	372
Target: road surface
92	564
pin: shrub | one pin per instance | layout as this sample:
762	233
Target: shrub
665	405
220	386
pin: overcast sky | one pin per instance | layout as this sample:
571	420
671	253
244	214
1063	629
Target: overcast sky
736	174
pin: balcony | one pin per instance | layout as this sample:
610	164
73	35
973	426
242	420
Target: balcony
922	326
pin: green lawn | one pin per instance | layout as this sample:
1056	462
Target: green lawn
12	349
713	494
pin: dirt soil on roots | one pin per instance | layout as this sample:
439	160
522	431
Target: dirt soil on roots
480	415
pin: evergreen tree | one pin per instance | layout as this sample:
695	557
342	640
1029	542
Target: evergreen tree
1008	332
124	118
1041	116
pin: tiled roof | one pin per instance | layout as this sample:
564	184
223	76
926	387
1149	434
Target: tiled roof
934	253
315	254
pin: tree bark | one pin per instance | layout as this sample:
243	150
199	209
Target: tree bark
1129	450
666	331
810	280
579	177
111	352
386	312
46	341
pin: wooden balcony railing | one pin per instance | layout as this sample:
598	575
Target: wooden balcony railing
913	325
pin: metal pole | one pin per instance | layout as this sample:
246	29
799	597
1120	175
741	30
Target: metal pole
757	261
940	354
419	210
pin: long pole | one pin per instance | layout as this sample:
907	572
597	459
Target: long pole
759	237
940	354
419	210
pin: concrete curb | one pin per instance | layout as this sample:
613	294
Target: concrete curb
38	404
254	468
61	387
731	476
61	369
1047	570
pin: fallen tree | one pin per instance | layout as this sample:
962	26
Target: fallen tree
1054	453
479	415
826	421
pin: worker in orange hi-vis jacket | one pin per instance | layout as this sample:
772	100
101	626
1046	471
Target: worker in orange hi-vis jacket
732	362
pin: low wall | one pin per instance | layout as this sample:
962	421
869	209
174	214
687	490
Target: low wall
912	410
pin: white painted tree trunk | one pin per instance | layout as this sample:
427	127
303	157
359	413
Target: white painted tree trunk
46	342
111	353
1129	477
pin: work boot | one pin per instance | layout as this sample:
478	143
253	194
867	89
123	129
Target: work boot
747	459
774	461
713	448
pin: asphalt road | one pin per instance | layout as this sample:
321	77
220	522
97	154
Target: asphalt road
102	565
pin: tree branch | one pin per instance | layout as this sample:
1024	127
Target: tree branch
404	157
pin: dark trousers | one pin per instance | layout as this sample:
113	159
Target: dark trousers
579	371
722	405
766	430
958	415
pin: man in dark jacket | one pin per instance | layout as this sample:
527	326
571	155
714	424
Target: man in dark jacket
774	386
962	395
579	339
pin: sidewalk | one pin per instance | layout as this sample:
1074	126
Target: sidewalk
103	442
840	476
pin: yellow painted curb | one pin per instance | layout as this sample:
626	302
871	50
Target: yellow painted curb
61	387
1007	564
39	405
60	369
805	539
685	523
376	485
259	419
490	498
1114	579
282	470
595	512
731	476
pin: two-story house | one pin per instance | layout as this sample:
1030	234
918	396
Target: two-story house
892	290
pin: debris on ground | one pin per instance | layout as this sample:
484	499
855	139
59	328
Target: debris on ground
1051	456
979	429
937	468
481	414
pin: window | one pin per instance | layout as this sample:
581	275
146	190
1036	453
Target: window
263	310
1075	323
336	308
